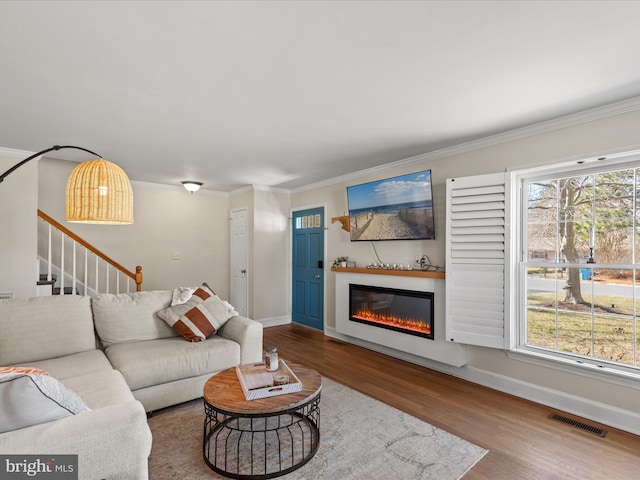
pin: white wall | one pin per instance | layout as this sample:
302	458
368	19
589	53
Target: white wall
268	247
271	254
18	227
166	219
612	133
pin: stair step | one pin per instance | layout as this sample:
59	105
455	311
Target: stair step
43	278
67	291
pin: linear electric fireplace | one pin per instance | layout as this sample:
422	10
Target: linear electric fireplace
405	311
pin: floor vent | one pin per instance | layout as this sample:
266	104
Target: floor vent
582	426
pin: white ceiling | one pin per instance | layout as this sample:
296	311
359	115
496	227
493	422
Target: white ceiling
286	94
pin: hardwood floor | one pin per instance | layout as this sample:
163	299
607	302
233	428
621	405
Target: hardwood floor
523	442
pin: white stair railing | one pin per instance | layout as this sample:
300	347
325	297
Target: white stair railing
60	255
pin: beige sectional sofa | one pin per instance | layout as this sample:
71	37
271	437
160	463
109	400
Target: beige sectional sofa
160	367
121	360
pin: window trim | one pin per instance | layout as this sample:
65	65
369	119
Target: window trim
583	368
574	364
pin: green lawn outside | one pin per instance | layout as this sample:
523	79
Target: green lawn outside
609	335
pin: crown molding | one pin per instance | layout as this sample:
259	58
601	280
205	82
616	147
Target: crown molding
593	114
10	152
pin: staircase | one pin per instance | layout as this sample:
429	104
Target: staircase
48	287
69	265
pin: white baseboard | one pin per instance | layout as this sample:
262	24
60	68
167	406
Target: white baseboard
598	412
392	352
274	321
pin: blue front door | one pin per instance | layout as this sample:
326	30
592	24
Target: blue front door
308	268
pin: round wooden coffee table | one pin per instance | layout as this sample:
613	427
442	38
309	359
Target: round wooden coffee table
262	438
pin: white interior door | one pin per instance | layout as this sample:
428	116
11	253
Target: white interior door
239	291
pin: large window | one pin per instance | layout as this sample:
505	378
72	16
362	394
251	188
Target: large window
579	276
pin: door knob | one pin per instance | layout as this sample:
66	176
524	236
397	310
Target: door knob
243	271
317	276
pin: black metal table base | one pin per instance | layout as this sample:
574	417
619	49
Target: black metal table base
261	446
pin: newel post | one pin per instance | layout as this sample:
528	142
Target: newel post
138	278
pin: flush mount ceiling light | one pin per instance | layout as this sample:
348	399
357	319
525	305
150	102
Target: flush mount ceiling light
98	191
192	186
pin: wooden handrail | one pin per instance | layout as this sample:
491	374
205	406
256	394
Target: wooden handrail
136	277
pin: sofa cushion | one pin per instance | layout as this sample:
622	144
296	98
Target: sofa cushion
44	327
199	317
112	443
165	360
101	389
91	362
131	317
34	398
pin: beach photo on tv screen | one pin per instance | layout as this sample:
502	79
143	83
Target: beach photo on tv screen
396	208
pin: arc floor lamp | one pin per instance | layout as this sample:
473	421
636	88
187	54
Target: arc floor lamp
98	191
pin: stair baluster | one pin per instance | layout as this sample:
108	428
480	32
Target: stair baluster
49	254
61	262
69	271
73	284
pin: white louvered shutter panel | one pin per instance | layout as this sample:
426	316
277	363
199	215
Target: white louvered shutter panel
477	254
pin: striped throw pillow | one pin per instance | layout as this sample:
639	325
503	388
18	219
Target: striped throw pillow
200	317
22	370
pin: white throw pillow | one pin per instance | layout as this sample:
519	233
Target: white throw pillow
182	295
31	397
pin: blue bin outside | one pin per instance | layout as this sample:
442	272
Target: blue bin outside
585	273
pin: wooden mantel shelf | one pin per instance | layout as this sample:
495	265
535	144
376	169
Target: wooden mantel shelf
382	271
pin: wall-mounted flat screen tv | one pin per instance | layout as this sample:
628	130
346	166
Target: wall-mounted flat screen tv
397	208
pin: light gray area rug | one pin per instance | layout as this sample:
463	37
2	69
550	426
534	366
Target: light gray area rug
360	438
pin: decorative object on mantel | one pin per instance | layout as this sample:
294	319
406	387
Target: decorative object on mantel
400	273
390	266
191	186
344	220
426	265
340	262
98	191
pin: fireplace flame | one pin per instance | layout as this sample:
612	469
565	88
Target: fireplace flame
393	321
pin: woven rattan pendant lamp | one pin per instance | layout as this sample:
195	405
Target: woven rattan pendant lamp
98	191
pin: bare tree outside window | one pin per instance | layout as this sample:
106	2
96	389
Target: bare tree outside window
583	308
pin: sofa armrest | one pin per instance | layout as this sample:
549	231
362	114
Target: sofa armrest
246	332
113	442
